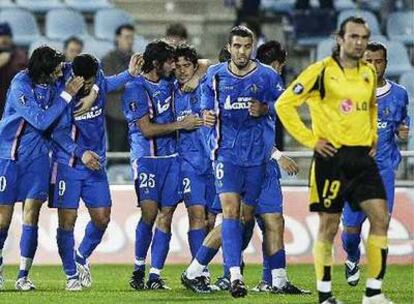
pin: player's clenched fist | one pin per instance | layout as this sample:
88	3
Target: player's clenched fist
257	109
191	122
403	132
91	160
74	85
209	118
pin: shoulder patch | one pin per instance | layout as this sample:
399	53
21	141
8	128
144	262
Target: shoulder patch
298	89
23	100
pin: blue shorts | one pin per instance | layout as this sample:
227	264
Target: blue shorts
68	185
356	218
271	198
158	180
24	179
246	181
196	189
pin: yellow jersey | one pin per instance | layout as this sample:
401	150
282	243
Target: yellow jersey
341	101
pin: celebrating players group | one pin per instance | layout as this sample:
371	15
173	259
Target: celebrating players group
204	135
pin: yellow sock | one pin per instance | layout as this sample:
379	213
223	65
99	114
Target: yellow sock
377	256
322	254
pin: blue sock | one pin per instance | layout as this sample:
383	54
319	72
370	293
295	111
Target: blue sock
28	246
205	254
231	240
247	233
93	236
143	238
277	260
350	243
66	245
195	239
159	250
3	237
226	271
267	272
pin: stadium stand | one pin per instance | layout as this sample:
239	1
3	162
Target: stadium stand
40	6
23	25
398	60
400	27
367	15
7	4
63	23
406	80
99	48
43	40
108	20
88	6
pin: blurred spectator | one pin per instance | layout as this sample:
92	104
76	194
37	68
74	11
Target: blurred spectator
247	9
389	6
114	62
304	4
72	47
176	33
12	60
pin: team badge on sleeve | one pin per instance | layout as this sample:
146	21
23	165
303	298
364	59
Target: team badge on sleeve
298	89
133	106
23	100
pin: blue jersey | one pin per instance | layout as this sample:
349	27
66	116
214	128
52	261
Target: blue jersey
143	97
191	145
74	135
29	112
392	103
238	137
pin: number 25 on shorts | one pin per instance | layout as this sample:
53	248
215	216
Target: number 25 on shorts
330	191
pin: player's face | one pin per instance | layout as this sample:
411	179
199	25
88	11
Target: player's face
87	86
240	49
73	50
184	70
378	60
278	66
355	40
167	68
57	73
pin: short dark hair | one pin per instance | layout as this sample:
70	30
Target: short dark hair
224	54
241	31
72	39
157	50
187	51
353	19
85	65
177	29
271	51
375	46
43	63
126	26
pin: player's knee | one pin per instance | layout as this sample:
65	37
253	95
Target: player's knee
149	216
102	221
379	223
328	226
164	219
67	222
31	216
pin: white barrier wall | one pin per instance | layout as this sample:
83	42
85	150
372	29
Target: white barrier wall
118	243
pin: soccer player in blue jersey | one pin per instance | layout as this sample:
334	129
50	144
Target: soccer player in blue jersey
196	168
393	122
238	94
34	101
148	108
79	156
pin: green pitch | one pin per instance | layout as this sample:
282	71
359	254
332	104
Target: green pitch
111	286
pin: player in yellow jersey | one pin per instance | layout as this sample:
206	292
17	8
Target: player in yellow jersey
340	92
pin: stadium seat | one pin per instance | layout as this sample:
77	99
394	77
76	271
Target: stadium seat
341	5
42	41
139	44
23	25
7	4
367	15
400	27
407	80
63	23
398	60
98	48
278	6
40	6
107	21
119	174
324	48
88	6
379	38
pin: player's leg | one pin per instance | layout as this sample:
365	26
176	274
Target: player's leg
6	214
66	246
96	195
148	198
351	237
197	227
169	198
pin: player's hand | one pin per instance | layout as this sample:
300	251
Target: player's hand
191	85
403	131
257	109
135	64
209	118
86	103
191	122
91	160
288	165
373	151
74	85
325	148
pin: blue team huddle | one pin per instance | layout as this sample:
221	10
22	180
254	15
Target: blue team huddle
199	134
